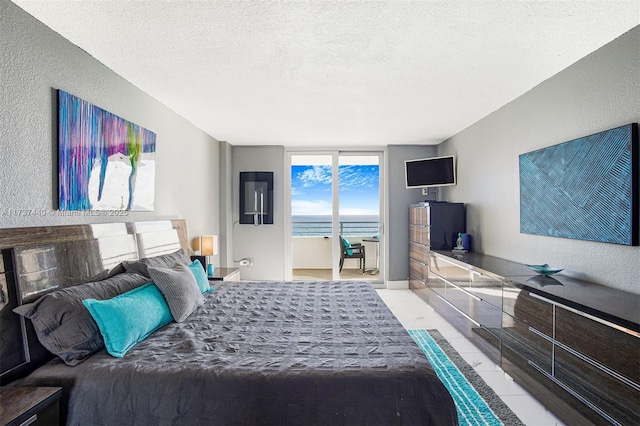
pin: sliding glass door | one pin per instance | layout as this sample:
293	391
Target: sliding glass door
311	218
359	210
335	216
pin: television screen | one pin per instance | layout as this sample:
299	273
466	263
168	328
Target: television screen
426	172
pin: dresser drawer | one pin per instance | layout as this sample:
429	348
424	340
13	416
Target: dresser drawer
419	234
419	252
452	272
609	396
595	340
416	283
459	298
487	288
438	285
529	309
418	269
484	338
519	338
474	281
418	216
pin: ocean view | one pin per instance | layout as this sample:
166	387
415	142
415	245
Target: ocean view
320	225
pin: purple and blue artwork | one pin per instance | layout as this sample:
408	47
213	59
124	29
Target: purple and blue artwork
105	161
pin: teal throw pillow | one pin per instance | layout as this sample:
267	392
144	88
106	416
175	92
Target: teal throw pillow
129	318
347	244
201	277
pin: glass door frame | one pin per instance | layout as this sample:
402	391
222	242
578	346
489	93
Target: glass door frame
335	205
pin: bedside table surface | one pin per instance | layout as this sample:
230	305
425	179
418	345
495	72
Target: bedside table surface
219	274
15	402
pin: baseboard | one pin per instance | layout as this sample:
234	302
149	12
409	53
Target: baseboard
398	285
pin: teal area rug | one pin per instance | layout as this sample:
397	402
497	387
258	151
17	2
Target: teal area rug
476	402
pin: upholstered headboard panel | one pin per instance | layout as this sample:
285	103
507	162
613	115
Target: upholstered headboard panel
35	261
156	238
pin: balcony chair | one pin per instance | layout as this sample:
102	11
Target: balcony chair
351	251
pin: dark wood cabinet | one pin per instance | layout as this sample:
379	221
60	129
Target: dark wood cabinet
572	344
30	406
470	301
418	245
593	360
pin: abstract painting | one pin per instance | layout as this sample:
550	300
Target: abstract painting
585	189
105	161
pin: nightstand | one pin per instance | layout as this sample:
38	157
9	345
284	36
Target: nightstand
30	406
225	274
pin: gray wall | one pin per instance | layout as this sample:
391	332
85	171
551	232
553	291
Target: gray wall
226	204
263	244
399	198
34	62
599	92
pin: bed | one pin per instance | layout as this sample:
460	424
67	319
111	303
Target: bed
252	353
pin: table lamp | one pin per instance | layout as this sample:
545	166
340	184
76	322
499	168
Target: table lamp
208	248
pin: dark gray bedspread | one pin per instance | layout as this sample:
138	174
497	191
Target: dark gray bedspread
326	353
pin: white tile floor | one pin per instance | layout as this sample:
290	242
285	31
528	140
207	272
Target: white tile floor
413	312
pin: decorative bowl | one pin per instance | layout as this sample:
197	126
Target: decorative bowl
545	269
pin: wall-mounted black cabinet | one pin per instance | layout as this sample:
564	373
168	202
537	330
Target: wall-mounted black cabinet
256	198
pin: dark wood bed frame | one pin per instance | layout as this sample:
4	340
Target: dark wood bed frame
38	260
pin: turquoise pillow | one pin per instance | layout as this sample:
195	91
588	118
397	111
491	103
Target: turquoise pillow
201	277
347	244
129	318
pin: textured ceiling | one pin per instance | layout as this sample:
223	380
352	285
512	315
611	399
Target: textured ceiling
336	73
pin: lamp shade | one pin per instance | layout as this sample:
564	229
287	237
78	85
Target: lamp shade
208	245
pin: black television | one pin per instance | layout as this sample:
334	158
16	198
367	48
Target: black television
429	172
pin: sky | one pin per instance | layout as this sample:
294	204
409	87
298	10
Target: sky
311	190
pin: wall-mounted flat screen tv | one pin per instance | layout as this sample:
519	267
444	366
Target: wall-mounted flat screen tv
428	172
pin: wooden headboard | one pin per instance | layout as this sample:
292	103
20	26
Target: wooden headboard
38	260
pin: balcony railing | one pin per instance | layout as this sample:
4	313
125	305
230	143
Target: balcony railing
323	229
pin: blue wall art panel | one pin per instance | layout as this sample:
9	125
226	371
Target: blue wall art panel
105	162
585	189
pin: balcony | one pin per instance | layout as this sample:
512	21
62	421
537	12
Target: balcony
311	250
323	229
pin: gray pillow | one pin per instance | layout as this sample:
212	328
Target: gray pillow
62	323
180	288
163	261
